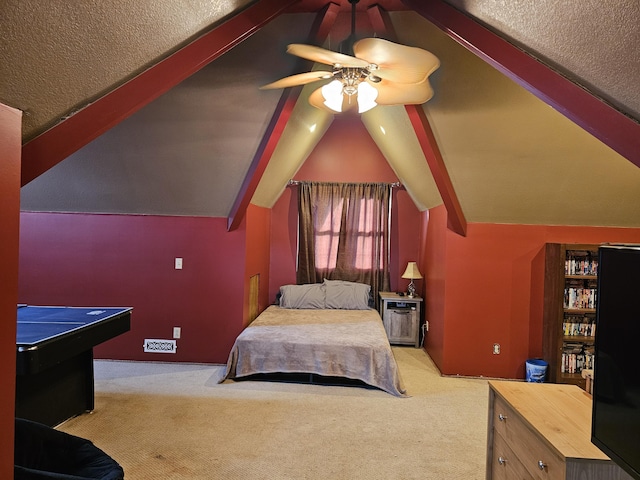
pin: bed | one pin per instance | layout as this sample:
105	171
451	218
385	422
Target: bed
327	329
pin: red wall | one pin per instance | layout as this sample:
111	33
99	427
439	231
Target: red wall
258	222
433	267
486	288
10	151
346	153
284	224
128	260
481	289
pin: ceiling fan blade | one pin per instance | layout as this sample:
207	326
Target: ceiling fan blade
327	57
298	79
317	100
391	93
397	63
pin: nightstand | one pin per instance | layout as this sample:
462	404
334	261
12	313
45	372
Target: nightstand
401	318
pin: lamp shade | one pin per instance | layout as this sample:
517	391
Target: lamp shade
332	93
412	271
366	97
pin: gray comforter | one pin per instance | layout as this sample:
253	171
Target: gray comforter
339	343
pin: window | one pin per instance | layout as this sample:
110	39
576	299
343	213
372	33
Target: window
344	233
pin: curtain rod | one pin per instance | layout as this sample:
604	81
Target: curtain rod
298	182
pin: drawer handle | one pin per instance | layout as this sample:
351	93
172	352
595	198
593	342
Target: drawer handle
541	465
502	460
502	417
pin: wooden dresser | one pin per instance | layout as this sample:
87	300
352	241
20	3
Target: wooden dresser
543	431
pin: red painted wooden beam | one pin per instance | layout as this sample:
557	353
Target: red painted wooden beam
381	22
600	119
320	30
68	136
323	23
455	216
456	220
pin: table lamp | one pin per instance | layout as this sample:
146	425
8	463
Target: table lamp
411	272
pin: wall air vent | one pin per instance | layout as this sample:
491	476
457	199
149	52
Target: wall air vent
160	346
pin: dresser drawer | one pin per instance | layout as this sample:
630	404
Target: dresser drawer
505	464
531	450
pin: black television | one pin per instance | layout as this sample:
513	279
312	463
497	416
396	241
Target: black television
615	427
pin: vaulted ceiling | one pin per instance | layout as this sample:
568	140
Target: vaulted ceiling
133	109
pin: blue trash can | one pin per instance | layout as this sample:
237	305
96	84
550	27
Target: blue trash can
536	370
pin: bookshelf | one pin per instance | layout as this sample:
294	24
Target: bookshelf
570	291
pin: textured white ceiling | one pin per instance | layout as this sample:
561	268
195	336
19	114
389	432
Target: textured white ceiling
57	56
595	42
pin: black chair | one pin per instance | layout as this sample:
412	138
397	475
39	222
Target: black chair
44	453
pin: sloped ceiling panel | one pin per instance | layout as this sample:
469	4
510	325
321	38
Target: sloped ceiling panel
305	129
511	157
185	153
390	128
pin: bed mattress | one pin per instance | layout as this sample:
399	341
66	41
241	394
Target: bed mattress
329	342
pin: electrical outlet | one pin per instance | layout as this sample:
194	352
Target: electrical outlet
426	325
496	349
177	331
178	263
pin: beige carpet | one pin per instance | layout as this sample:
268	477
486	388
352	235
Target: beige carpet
174	421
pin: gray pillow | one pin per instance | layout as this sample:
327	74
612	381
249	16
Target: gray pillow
345	295
310	295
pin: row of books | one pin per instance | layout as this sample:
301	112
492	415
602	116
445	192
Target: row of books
576	362
576	357
579	297
571	329
581	263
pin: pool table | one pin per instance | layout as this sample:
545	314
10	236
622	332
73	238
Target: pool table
54	363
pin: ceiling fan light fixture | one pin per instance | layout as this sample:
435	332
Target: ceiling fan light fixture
395	74
369	71
332	93
367	95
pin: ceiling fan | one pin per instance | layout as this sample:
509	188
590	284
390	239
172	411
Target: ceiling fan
379	72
